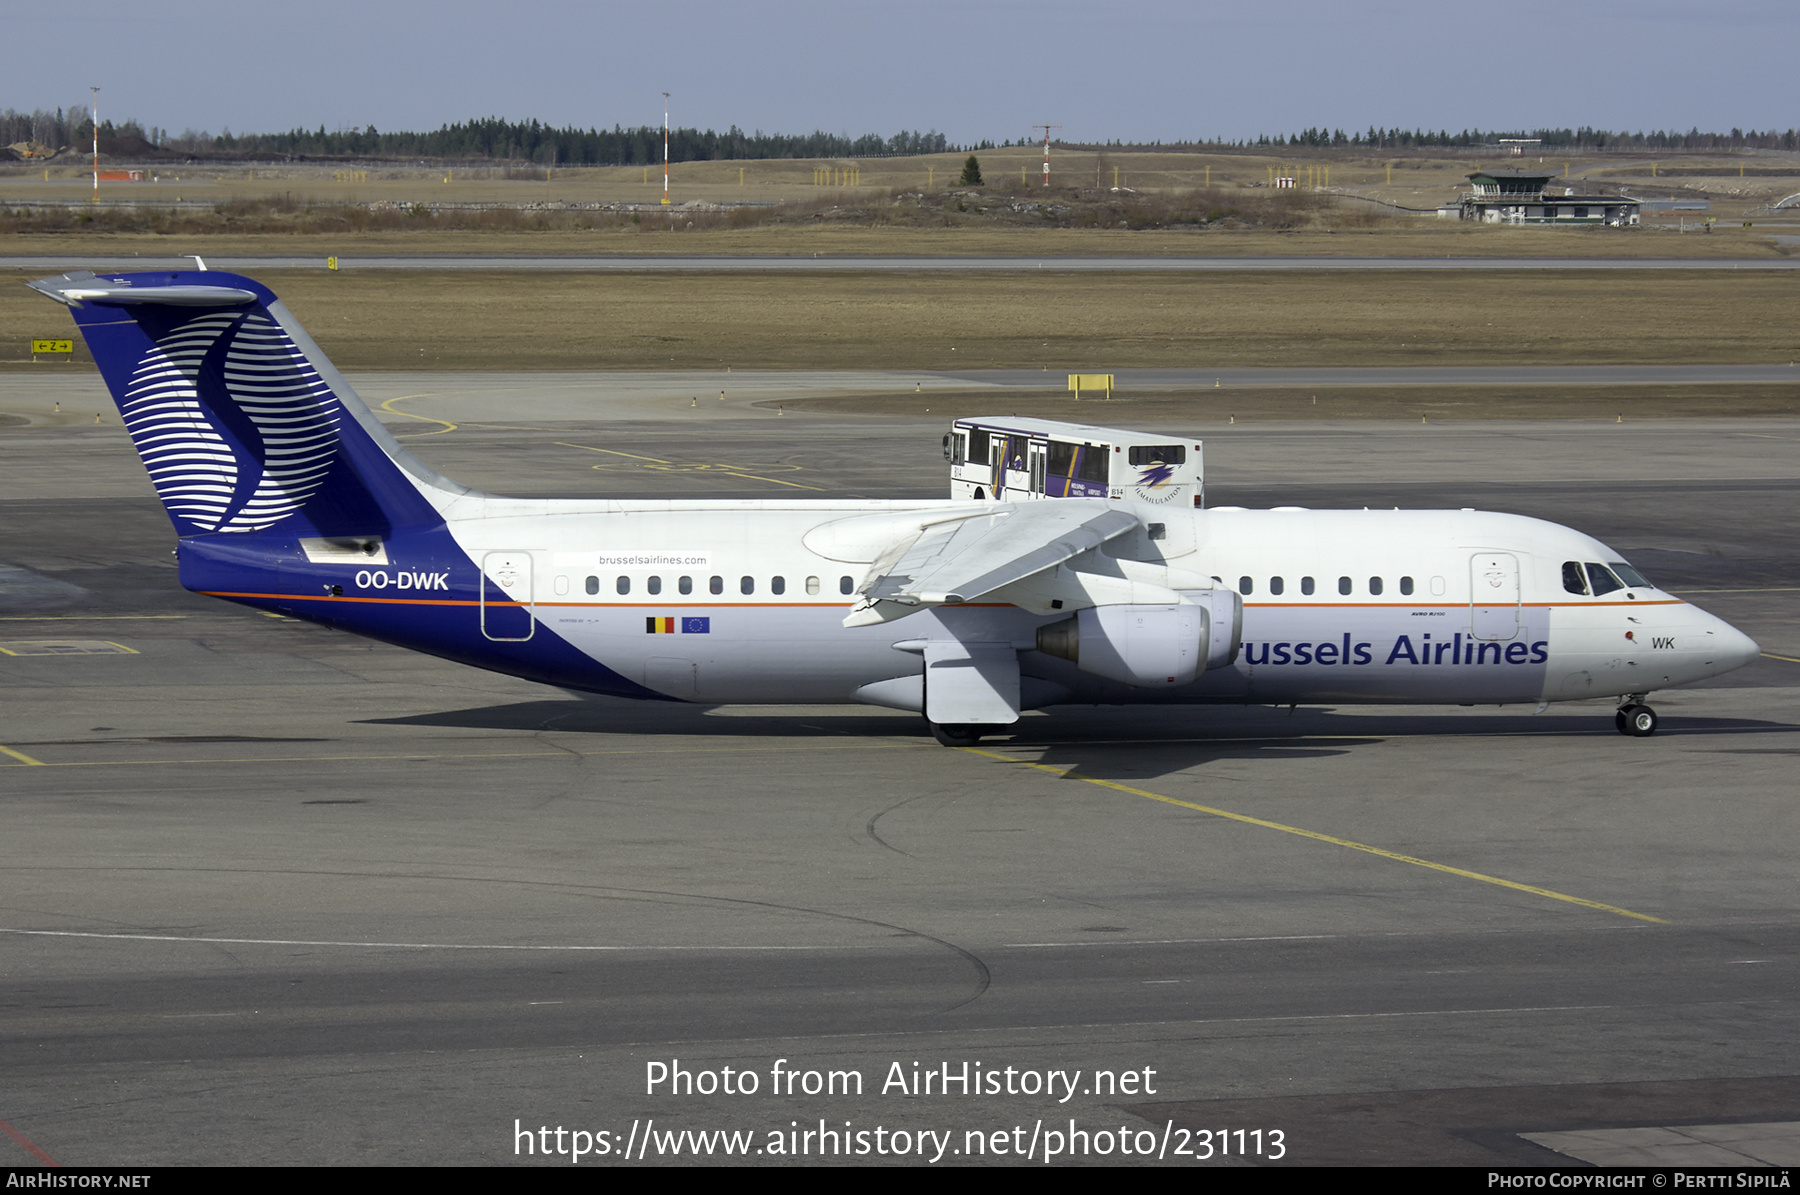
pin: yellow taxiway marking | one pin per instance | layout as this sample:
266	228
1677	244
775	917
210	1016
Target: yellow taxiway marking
727	470
611	452
1769	655
388	406
1072	773
1774	589
22	757
87	617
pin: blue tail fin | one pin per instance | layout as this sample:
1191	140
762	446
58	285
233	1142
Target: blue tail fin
243	424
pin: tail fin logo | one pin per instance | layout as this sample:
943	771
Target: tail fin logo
234	424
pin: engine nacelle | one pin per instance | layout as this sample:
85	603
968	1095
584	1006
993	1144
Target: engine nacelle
1224	624
1144	646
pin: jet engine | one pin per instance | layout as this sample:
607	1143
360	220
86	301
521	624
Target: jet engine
1150	646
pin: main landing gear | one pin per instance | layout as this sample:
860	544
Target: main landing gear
955	734
1634	717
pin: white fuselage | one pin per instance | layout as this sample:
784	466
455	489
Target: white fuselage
1391	606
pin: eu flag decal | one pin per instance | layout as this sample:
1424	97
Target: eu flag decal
696	626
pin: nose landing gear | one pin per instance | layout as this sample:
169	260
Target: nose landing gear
1634	717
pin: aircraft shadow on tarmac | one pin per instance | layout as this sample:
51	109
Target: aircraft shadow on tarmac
1105	743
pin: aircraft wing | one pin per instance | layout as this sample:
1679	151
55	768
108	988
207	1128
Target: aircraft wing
961	561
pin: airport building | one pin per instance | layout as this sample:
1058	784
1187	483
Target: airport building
1496	198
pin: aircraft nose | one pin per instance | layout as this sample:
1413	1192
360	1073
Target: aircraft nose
1731	647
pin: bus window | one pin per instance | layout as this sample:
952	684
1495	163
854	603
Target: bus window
1015	453
978	447
1092	466
1150	454
1062	459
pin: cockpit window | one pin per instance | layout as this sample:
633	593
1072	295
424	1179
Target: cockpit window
1628	574
1574	580
1601	578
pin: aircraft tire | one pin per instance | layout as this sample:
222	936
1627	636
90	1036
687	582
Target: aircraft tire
953	734
1638	721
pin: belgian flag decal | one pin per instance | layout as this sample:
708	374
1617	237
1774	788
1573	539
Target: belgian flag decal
659	626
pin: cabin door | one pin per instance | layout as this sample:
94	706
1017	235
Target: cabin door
1494	596
506	614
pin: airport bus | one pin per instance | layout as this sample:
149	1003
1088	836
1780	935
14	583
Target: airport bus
1013	460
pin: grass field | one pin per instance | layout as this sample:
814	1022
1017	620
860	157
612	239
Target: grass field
1079	322
890	206
1389	238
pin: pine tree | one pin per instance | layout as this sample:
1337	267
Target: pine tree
971	175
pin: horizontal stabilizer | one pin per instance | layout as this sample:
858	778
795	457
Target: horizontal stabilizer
84	287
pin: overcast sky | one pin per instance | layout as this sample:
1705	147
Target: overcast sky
1132	70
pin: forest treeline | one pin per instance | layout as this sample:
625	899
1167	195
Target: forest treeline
494	139
1583	139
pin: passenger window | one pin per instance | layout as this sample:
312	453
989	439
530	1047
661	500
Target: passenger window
1406	586
812	585
1276	586
1437	587
1602	580
846	585
777	585
1306	586
686	585
654	585
1246	586
716	585
593	584
1573	580
1344	585
1375	586
561	584
746	584
623	585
